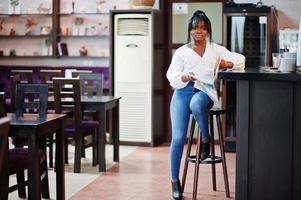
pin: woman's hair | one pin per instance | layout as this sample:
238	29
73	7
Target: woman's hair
193	22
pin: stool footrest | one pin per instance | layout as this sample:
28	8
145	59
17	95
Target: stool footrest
210	160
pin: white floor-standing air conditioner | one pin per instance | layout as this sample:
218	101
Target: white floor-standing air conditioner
133	49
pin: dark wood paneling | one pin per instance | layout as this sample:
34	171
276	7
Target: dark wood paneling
270	140
296	172
242	146
158	80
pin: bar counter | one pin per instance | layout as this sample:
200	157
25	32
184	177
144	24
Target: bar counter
268	164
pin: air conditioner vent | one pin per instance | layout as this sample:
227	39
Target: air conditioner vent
132	26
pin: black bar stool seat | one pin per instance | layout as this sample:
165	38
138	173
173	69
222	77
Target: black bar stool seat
217	111
212	159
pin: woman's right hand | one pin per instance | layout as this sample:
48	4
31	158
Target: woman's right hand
225	64
188	77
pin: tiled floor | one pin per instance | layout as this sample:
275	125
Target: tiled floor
75	182
144	175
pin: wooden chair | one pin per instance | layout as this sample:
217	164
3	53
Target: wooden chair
77	73
4	127
91	84
26	76
75	127
46	76
23	101
14	79
18	156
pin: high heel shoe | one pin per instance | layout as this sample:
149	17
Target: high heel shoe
176	190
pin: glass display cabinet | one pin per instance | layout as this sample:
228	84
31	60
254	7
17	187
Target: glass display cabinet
247	30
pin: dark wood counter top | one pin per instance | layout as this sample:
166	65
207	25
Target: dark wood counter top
259	74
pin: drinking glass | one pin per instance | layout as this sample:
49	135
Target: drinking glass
276	60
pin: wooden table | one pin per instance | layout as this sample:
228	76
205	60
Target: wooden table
33	128
101	104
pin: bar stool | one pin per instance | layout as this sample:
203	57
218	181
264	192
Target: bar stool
212	159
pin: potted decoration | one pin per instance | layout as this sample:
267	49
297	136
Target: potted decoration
48	47
99	4
1	26
83	51
142	3
29	26
15	7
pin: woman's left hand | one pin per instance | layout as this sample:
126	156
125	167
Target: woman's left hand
225	64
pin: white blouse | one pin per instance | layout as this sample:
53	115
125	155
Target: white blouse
185	60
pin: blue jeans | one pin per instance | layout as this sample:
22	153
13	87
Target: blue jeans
185	101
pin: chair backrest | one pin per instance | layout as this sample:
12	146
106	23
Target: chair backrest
14	79
91	84
67	100
77	73
26	76
4	127
2	105
46	78
31	97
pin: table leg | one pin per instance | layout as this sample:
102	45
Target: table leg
59	163
34	183
116	132
4	178
101	140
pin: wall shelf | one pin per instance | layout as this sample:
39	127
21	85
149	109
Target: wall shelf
68	14
82	36
20	57
94	57
25	15
93	24
24	36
